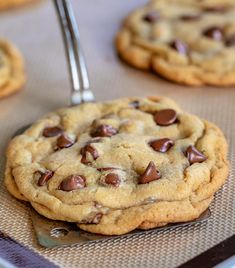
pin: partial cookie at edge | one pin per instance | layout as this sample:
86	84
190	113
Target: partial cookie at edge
134	45
16	75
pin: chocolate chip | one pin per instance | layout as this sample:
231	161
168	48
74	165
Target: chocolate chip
179	46
104	131
214	32
165	117
106	168
230	41
190	17
152	17
162	145
97	205
45	177
194	156
52	131
112	179
64	142
88	149
73	182
150	174
97	218
135	104
217	9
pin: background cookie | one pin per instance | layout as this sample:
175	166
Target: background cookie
115	166
189	42
12	73
5	4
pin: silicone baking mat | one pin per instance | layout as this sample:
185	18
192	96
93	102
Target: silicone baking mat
34	29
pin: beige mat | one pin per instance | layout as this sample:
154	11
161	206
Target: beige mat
35	30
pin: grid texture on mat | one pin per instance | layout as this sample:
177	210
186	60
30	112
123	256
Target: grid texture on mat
48	89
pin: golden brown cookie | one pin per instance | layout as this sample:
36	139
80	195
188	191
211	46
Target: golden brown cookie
12	73
5	4
186	41
116	166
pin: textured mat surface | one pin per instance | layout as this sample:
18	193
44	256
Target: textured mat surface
35	30
19	255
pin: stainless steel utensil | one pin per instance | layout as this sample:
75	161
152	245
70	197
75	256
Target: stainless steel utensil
80	91
76	62
52	233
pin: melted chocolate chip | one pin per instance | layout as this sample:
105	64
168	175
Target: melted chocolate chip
165	117
104	131
135	104
217	9
214	32
152	16
97	218
106	168
93	218
45	177
150	174
190	17
230	41
52	131
88	149
73	182
97	205
112	179
194	156
64	142
179	46
162	145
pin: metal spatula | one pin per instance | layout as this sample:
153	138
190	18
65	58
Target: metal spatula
52	233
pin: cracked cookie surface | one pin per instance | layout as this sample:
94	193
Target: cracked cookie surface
186	41
116	166
12	73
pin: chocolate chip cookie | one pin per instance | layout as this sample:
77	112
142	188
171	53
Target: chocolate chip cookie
116	166
5	4
186	41
12	74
